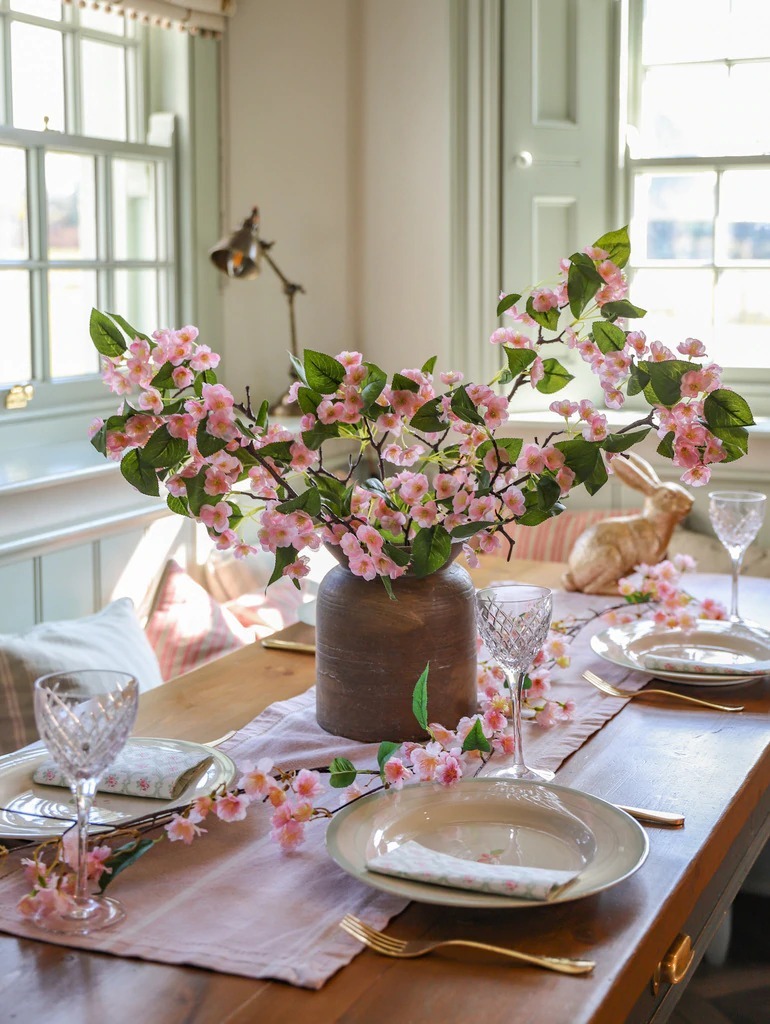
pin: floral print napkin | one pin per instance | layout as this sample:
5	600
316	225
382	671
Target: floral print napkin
140	770
418	863
665	663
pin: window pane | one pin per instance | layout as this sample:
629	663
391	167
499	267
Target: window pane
679	304
16	362
104	90
136	298
742	318
37	77
133	191
684	30
681	106
744	212
40	8
674	215
71	296
749	28
14	238
745	132
70	186
103	22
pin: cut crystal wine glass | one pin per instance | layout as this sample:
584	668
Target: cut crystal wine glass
513	621
736	517
84	718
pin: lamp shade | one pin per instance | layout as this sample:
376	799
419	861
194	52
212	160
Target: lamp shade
239	254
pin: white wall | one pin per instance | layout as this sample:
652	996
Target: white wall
337	126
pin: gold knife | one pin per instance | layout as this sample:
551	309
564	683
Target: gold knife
670	819
288	645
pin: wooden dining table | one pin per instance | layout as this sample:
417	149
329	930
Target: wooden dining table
656	753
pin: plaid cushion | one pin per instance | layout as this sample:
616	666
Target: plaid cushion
553	540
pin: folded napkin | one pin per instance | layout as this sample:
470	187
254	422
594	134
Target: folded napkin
140	770
697	666
416	862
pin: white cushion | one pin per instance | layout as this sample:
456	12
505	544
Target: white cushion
110	639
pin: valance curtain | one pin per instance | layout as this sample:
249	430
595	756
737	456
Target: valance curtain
204	17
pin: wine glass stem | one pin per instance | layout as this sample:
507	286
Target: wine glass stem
737	560
83	790
516	686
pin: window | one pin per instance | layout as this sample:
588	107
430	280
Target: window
699	174
85	208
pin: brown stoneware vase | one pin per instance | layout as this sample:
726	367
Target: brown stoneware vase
370	652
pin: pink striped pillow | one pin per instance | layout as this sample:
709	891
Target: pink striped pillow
553	540
188	627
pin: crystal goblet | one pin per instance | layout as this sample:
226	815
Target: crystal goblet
513	621
736	517
84	718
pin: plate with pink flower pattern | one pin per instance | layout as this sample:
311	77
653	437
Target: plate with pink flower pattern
29	810
487	842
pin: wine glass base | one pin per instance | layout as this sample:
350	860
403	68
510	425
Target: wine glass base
522	772
91	914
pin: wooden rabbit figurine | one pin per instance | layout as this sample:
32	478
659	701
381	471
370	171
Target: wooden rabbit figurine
609	550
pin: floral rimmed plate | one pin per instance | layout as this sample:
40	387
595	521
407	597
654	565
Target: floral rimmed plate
22	800
710	642
512	821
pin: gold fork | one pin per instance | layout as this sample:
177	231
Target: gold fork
401	949
613	691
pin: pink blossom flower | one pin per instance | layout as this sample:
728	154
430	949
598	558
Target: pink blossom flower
544	299
692	347
396	772
307	784
297	569
216	517
564	408
426	760
232	806
204	359
531	460
183	829
449	770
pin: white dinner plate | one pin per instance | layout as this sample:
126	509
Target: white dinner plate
533	824
21	799
710	640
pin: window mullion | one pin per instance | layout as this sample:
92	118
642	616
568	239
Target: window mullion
7	83
72	104
104	235
38	242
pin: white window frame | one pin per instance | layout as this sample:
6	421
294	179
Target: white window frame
50	395
752	382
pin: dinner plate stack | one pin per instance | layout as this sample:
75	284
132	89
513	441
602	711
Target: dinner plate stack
712	653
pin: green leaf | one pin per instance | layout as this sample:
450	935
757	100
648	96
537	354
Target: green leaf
163	450
105	335
323	372
139	473
129	330
308	400
598	478
402	383
298	368
316	436
548	492
384	754
374	385
725	408
463	407
123	857
608	337
207	443
331	491
196	493
512	445
278	450
622	442
665	384
583	282
467	530
396	553
616	243
536	516
555	377
506	302
549	319
580	456
309	501
735	441
666	446
429	365
342	773
519	359
178	505
637	381
420	699
431	549
283	557
426	418
386	582
261	417
624	308
99	440
476	740
163	378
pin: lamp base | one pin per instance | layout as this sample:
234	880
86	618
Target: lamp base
284	408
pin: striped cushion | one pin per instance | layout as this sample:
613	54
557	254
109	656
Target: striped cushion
187	626
112	638
553	540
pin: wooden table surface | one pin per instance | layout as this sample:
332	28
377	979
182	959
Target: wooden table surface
713	766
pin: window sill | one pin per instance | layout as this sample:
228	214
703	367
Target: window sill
67	462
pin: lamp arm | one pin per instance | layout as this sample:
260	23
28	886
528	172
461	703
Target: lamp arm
290	289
